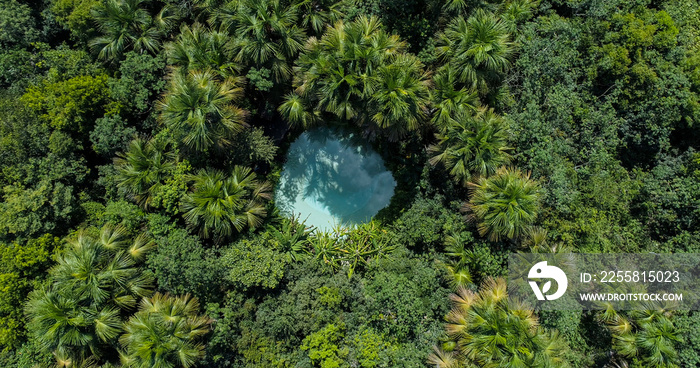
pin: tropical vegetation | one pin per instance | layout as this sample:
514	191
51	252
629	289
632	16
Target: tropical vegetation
141	142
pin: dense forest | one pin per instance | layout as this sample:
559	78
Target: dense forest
141	142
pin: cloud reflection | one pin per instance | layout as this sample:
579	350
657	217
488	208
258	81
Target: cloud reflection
331	178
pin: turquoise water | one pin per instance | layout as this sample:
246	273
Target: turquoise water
333	178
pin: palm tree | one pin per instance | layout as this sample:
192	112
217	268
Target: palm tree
457	266
473	146
266	33
358	73
142	169
486	330
335	72
71	331
516	11
450	103
648	336
400	98
125	25
200	109
64	361
479	47
456	6
298	113
165	332
325	248
505	204
113	260
219	204
78	314
197	48
316	14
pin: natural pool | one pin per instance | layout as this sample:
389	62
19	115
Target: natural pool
331	177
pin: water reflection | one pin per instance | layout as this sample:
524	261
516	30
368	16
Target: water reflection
331	178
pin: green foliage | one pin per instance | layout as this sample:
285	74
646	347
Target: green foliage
260	79
140	81
403	299
182	264
471	261
174	188
15	65
570	324
687	325
111	135
75	15
29	211
28	67
372	349
323	349
70	105
392	314
28	355
669	196
255	263
42	174
17	25
426	223
42	197
124	214
22	267
165	332
252	146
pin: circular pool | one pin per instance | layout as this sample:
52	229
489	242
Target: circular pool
331	178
